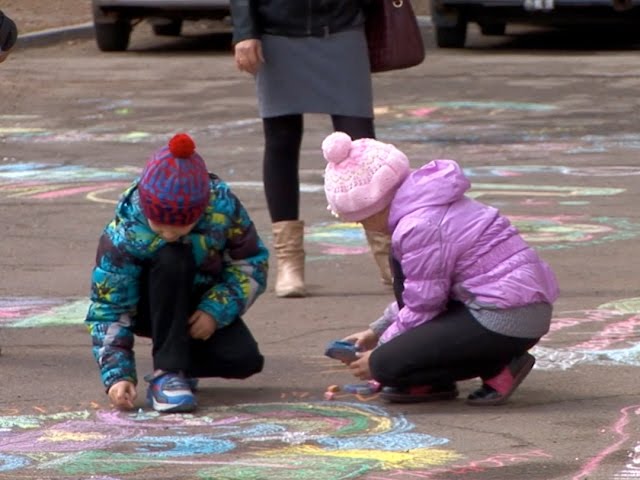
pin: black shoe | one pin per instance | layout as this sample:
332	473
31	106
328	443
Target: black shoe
485	395
511	376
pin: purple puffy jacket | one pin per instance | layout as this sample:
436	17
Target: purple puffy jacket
453	247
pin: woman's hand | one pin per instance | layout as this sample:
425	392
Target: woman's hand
202	325
248	54
122	394
360	368
364	340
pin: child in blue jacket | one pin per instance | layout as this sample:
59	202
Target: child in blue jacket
180	263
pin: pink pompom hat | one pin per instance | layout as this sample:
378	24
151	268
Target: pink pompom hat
362	176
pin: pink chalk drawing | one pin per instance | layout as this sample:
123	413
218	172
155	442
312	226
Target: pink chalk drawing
40	312
43	181
621	436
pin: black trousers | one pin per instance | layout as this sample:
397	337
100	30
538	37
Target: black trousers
167	300
280	172
451	347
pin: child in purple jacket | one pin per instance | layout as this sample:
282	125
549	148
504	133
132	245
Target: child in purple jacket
471	296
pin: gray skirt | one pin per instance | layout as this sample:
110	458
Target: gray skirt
315	75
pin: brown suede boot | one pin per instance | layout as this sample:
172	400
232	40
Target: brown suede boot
380	244
288	241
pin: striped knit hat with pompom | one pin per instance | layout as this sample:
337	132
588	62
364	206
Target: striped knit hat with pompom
174	185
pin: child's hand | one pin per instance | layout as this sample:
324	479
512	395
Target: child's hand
360	367
202	325
122	394
364	340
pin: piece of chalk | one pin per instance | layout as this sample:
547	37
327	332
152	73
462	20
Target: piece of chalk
359	388
333	388
329	395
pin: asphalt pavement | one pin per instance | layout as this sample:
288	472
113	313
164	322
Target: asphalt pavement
544	124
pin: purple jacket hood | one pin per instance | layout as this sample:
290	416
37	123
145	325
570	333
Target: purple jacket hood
439	182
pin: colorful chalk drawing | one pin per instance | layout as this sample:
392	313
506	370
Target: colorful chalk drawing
479	128
23	312
578	171
485	129
329	440
111	131
288	441
44	181
614	341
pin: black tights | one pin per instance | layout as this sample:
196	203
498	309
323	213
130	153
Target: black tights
283	138
451	347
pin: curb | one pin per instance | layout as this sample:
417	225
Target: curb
44	38
53	35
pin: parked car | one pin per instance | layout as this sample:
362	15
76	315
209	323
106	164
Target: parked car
451	17
114	19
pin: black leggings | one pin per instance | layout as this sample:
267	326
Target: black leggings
283	138
167	300
451	347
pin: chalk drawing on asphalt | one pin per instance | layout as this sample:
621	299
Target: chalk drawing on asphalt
485	130
21	312
606	335
622	432
44	181
329	440
492	171
107	126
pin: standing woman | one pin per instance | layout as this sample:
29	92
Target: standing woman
308	56
8	36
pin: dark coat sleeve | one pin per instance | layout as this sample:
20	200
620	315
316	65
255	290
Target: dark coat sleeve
8	33
244	19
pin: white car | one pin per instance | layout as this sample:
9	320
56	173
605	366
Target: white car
114	19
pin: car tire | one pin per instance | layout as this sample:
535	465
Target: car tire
452	37
493	28
169	29
113	37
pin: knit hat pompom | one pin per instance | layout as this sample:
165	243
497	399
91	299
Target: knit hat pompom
336	147
182	146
